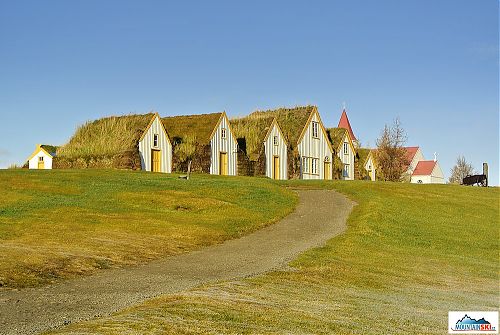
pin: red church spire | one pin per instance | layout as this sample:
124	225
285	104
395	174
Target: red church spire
344	123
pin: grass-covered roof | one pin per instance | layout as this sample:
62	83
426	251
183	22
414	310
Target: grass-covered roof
291	120
106	137
51	149
253	129
336	136
199	127
362	154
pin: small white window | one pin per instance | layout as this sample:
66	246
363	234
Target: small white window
155	140
40	158
305	164
315	164
223	133
315	129
346	170
346	148
275	140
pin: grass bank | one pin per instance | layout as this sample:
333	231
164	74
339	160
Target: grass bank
411	253
65	223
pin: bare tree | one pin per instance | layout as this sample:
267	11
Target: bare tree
460	170
390	155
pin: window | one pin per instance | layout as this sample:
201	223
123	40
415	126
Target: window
223	133
346	170
315	129
275	140
305	164
155	140
40	158
346	148
315	164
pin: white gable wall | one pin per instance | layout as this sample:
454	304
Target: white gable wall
417	158
347	159
279	150
228	145
370	168
314	148
147	144
47	159
436	177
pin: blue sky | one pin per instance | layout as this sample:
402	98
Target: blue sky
432	63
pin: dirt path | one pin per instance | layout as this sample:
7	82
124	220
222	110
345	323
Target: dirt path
320	215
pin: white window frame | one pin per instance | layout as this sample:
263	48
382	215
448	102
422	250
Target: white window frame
315	166
305	164
275	140
40	158
156	140
315	129
346	170
346	148
223	133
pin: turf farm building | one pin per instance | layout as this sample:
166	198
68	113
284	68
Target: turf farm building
205	140
309	150
365	165
263	147
41	158
155	148
343	148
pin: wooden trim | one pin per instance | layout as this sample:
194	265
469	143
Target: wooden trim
156	115
275	121
341	145
302	134
37	150
223	115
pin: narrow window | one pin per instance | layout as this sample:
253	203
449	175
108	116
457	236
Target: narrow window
40	158
315	164
305	164
346	147
275	140
346	170
223	133
155	140
315	128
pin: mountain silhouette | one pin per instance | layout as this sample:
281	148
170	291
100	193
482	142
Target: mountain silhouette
467	320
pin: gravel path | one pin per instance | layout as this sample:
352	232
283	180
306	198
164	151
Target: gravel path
319	216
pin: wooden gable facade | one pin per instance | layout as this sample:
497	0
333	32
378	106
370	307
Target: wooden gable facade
155	147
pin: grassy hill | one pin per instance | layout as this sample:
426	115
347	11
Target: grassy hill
65	223
411	254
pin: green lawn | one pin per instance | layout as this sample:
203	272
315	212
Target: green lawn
411	253
64	223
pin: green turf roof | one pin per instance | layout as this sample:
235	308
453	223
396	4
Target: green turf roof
198	126
291	120
253	129
106	136
336	136
51	149
362	154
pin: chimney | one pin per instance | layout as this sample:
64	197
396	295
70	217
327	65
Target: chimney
485	172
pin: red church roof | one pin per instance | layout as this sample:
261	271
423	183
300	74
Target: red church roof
410	153
424	168
344	123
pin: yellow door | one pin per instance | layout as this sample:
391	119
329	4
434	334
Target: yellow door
41	165
328	170
155	161
276	167
223	164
